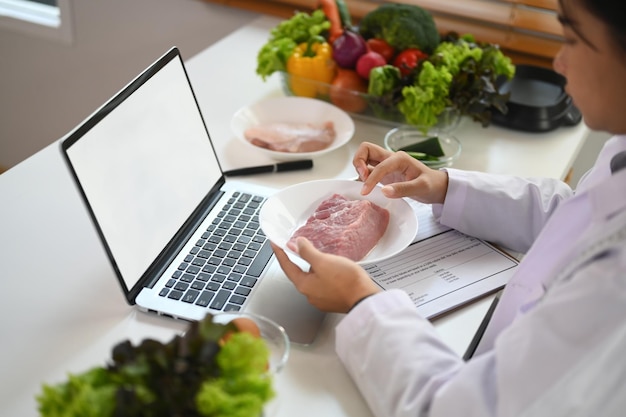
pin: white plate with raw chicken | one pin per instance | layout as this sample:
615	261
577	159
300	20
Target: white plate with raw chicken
290	128
297	207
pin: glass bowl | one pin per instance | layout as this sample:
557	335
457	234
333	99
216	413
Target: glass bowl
362	105
399	138
272	333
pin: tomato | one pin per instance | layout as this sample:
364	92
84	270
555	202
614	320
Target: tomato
382	47
345	89
409	59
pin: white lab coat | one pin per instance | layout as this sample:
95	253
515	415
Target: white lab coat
556	345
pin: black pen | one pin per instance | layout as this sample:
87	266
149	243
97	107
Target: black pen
279	167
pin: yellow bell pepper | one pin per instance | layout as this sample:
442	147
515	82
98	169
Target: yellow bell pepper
310	66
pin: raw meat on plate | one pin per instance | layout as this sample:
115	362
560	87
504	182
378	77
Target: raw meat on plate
292	137
340	226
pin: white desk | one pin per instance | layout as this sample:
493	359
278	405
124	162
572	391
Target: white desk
62	310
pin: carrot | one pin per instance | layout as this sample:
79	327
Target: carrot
330	9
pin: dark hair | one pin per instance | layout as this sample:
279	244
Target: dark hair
612	13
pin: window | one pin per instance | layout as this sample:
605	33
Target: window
44	18
527	30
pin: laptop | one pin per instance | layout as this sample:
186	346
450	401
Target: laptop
183	241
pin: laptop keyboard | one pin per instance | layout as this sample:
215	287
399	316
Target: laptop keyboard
225	264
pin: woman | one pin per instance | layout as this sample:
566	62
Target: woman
556	343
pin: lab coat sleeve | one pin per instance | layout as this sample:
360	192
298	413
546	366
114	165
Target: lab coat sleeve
386	345
550	362
505	210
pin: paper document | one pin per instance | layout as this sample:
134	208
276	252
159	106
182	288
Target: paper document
443	268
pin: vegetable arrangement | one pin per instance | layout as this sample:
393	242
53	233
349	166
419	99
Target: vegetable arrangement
394	66
213	370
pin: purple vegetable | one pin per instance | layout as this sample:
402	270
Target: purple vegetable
348	48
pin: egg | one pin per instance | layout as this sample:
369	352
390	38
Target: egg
245	325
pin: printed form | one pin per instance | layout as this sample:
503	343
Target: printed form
443	268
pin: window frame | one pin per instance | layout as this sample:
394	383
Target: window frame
37	19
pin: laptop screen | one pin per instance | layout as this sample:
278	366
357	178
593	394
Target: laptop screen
144	162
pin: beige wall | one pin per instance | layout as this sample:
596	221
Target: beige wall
47	87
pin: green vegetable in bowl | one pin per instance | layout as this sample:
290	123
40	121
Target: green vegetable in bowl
403	26
430	146
426	99
385	92
213	370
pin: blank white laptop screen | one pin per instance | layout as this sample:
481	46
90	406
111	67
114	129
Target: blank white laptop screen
139	204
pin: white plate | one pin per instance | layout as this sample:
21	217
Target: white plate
289	209
293	110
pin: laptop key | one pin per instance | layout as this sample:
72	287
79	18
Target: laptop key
209	269
187	277
234	277
198	261
240	269
204	254
220	299
205	298
261	260
175	295
190	296
232	307
249	253
237	299
198	285
248	281
204	277
220	253
242	290
218	278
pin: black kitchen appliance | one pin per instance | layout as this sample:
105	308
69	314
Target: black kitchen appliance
538	101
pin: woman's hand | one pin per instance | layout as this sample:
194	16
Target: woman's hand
333	283
402	175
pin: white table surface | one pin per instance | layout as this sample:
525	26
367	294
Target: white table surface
61	306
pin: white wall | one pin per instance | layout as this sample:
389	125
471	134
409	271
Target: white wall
48	87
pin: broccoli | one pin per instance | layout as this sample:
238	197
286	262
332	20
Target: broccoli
402	26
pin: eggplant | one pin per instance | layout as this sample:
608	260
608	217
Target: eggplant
348	48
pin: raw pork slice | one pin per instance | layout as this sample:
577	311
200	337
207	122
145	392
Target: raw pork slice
292	137
344	227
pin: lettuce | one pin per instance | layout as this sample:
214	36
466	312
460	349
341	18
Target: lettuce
301	27
462	74
198	374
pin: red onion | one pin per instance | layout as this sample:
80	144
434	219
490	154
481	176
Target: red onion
348	48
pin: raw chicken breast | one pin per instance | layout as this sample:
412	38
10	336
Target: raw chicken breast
291	137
